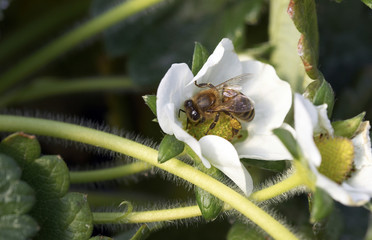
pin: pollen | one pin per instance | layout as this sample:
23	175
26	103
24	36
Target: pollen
337	157
226	127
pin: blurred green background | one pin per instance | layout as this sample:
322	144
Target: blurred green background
138	52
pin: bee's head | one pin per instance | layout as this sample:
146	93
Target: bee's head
191	111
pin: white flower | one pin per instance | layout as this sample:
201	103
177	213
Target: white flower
272	98
311	120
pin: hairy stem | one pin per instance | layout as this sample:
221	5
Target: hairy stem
108	173
149	155
147	216
300	177
71	39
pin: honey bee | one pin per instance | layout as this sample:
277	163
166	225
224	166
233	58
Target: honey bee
224	98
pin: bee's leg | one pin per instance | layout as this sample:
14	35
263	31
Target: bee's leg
235	124
179	112
213	124
204	85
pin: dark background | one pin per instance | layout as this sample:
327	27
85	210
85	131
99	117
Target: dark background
143	48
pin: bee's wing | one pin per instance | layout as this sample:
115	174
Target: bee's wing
235	82
236	105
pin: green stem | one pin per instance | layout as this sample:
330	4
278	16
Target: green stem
295	180
149	155
76	36
147	216
46	87
108	174
300	177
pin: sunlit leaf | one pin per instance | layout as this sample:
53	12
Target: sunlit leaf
284	38
303	14
347	128
368	3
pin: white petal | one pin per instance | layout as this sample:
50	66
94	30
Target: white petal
306	118
342	193
265	147
324	124
362	146
222	154
271	95
171	94
221	65
172	91
361	180
347	193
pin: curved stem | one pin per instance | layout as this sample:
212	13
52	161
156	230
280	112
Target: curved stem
108	173
295	180
300	177
76	36
149	155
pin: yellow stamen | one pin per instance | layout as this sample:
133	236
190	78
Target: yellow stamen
337	157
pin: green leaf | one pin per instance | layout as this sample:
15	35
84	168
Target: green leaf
67	218
59	215
241	231
303	14
199	58
368	3
324	94
209	205
22	147
289	142
16	197
17	227
170	147
347	128
78	219
49	176
284	37
320	92
275	166
150	101
9	170
321	205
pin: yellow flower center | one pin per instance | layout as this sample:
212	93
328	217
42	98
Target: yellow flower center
337	157
224	128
